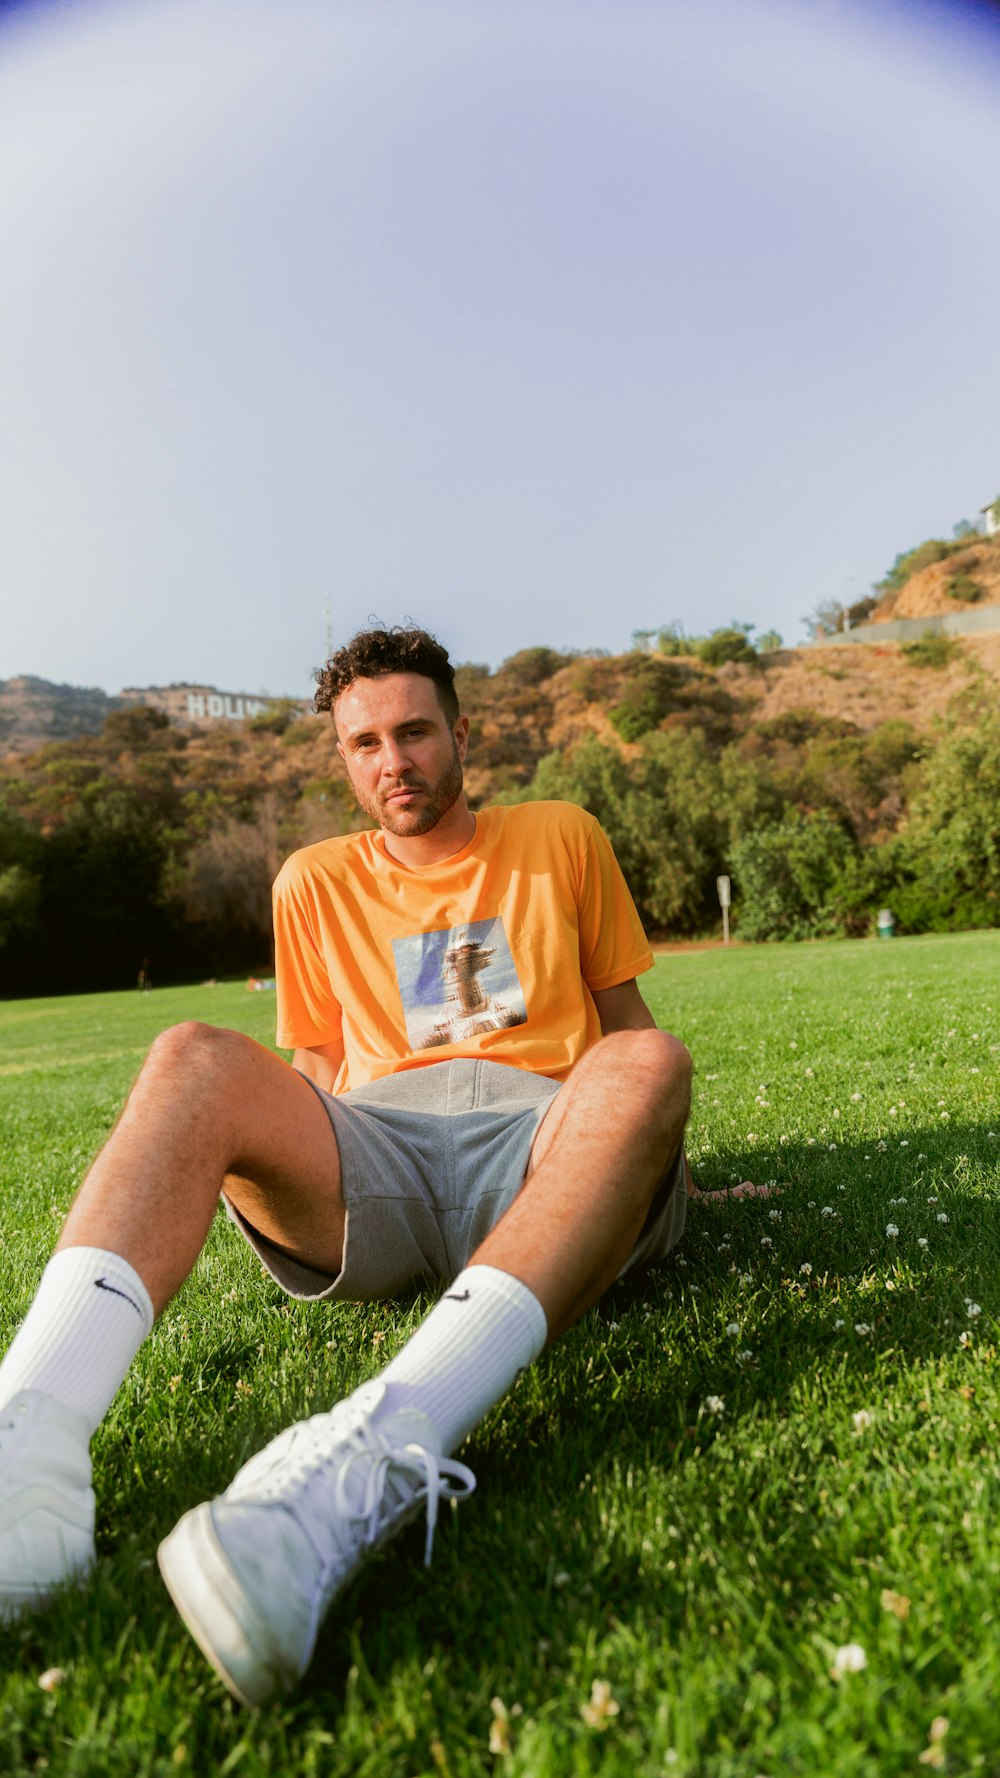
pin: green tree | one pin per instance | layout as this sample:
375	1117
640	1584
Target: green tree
947	854
729	644
786	875
649	695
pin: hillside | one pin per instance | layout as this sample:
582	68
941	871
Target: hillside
539	701
966	572
156	841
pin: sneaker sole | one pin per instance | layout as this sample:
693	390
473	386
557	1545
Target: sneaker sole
231	1633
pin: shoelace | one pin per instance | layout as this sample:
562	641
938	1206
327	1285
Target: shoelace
349	1440
441	1478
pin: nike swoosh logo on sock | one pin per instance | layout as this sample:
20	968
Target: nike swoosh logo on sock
102	1284
452	1296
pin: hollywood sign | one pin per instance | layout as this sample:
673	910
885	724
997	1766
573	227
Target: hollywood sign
221	704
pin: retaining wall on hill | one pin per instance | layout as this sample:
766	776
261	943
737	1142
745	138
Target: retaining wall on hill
905	629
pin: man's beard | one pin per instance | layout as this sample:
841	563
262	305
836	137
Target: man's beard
438	798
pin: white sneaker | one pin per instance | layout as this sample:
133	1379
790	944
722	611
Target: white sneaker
46	1501
253	1572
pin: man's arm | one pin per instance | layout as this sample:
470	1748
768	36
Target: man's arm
623	1009
320	1065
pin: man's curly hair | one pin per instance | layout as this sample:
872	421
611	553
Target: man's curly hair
373	654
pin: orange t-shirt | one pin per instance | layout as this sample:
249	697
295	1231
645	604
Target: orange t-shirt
494	952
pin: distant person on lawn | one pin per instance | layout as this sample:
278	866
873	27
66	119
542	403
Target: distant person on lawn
479	1094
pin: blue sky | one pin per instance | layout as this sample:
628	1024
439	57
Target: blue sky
539	322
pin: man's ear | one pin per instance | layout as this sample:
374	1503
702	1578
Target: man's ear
340	750
462	736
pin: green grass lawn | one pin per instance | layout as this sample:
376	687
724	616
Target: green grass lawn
781	1444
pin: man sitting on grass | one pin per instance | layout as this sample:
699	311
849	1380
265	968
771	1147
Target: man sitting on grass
478	1094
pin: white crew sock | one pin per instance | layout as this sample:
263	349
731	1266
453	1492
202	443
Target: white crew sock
90	1315
467	1353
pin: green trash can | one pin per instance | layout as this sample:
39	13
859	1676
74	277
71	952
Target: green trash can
886	923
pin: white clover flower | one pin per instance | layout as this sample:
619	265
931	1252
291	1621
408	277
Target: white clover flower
922	1241
897	1201
921	1157
732	1328
774	1215
746	1277
810	1075
744	1356
52	1678
715	1405
851	1658
601	1707
862	1420
944	1117
972	1310
811	1204
881	1146
805	1269
891	1229
965	1338
862	1328
766	1241
838	1324
932	1200
904	1145
827	1210
941	1216
856	1098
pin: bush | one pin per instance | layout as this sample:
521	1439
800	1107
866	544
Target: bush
932	649
649	696
910	562
279	715
531	666
786	876
729	644
671	640
963	588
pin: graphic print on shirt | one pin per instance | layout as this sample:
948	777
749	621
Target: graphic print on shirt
458	983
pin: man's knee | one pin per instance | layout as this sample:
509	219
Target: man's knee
653	1055
199	1057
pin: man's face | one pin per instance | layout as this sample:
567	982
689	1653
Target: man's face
403	757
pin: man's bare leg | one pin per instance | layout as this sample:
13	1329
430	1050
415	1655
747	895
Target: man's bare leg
253	1572
209	1108
598	1159
595	1166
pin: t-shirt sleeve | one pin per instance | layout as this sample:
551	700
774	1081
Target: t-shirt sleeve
613	946
308	1011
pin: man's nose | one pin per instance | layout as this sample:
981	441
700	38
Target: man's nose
395	757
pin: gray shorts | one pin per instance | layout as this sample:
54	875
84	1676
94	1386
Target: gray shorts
430	1159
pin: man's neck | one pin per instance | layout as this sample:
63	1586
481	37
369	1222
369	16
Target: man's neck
450	835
